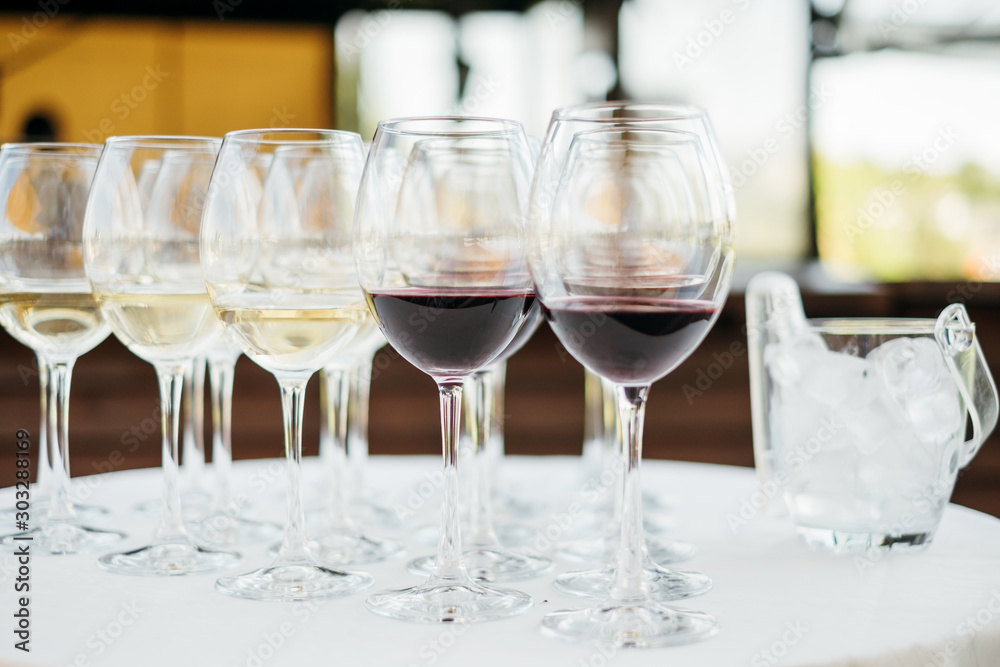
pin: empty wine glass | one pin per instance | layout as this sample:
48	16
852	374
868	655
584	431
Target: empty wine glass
339	539
631	256
195	496
445	276
140	249
224	522
46	303
363	499
276	252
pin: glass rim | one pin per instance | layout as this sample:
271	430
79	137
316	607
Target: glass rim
673	111
872	326
507	126
49	147
683	136
164	141
241	136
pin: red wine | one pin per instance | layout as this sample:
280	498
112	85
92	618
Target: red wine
630	340
450	332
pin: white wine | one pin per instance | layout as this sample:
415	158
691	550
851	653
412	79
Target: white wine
58	325
298	335
161	327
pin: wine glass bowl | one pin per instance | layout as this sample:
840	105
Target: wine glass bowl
631	255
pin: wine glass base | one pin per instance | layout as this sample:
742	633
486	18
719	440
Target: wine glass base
223	529
604	549
656	523
40	508
372	513
513	507
65	538
293	581
659	502
491	564
508	534
659	583
194	505
351	548
516	534
635	625
449	601
168	559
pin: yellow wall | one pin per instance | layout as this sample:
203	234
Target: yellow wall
101	77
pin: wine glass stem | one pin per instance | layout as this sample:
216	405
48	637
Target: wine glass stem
479	392
43	479
495	435
220	373
615	455
293	546
194	423
593	424
448	563
337	395
357	433
60	374
628	583
171	378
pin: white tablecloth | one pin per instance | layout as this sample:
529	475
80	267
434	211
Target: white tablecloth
778	603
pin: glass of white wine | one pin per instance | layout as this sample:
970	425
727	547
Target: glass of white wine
277	257
140	249
46	303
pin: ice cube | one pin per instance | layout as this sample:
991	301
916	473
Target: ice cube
834	377
788	361
910	366
937	416
795	419
873	419
914	372
805	362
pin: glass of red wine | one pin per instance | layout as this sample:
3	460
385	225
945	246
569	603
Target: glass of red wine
439	244
662	583
631	254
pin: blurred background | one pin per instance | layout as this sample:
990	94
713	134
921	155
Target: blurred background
861	135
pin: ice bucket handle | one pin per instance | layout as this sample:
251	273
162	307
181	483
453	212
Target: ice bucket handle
956	336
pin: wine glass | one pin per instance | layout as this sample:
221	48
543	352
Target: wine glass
363	499
631	256
445	277
224	522
195	498
46	303
339	538
662	583
276	252
140	249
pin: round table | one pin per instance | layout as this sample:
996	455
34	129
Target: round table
778	603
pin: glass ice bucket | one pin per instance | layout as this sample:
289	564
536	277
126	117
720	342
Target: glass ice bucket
861	423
